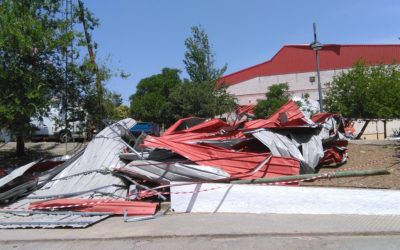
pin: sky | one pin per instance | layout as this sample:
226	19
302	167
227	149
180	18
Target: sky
142	37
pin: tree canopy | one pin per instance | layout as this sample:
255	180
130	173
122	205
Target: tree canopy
366	92
277	95
36	40
199	95
164	98
152	94
199	100
32	41
199	58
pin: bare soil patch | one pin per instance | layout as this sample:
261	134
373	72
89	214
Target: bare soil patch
367	156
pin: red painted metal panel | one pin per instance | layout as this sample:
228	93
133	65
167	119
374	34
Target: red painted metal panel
321	117
214	129
237	164
118	207
301	58
245	109
176	126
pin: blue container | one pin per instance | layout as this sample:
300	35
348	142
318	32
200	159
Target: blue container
149	128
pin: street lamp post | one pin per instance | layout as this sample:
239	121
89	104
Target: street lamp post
315	45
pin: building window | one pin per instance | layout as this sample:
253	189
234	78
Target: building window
312	79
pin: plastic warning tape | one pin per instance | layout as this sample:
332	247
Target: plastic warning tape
60	207
73	205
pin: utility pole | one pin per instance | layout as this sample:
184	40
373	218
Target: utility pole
68	28
99	86
316	45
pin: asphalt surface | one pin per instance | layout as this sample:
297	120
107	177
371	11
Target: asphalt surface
219	231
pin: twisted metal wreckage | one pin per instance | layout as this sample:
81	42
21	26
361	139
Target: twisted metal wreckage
113	177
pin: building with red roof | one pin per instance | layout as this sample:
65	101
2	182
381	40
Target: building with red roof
295	65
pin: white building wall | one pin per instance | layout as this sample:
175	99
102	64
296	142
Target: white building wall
375	129
248	92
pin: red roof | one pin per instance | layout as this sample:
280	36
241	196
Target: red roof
301	58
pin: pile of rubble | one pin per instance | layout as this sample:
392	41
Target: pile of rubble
118	174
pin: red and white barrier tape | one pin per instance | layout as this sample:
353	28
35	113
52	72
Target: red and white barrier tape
60	207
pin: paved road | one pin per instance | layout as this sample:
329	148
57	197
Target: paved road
219	231
242	242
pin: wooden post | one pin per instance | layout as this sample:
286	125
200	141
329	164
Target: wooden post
384	129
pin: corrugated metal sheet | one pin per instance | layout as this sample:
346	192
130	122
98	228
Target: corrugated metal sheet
34	219
29	177
281	145
88	176
289	115
164	172
301	58
91	171
16	173
244	165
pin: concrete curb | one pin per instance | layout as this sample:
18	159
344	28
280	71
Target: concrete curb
217	226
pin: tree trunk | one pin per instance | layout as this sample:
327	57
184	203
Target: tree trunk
20	145
384	129
362	130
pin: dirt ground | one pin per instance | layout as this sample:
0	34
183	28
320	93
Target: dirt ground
367	155
362	155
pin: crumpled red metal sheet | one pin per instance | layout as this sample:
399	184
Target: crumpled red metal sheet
214	129
245	109
237	164
117	207
289	115
195	137
334	156
321	117
183	124
210	126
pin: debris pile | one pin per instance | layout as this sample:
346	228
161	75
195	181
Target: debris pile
117	172
287	143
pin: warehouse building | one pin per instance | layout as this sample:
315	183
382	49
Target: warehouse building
295	65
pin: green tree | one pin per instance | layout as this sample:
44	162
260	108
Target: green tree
277	95
121	112
152	93
366	92
32	40
199	58
199	100
199	96
111	101
35	40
